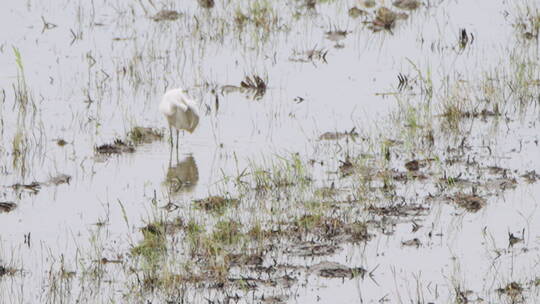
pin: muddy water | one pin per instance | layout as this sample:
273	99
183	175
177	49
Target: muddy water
103	67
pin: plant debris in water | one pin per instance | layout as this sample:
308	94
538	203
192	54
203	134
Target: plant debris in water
7	206
33	187
368	3
313	249
412	243
512	239
513	290
355	12
253	86
336	35
385	19
407	4
310	55
256	85
339	135
531	176
206	3
166	15
61	142
6	271
117	147
59	179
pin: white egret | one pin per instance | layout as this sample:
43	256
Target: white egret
180	110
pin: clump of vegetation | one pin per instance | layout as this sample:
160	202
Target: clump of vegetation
240	19
216	204
358	232
528	22
284	173
144	135
513	290
215	248
22	94
227	232
327	192
153	244
385	19
260	14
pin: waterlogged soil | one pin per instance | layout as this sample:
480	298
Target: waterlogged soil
347	152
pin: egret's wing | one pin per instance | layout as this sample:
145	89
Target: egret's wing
179	104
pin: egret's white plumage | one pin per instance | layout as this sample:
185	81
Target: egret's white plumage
181	111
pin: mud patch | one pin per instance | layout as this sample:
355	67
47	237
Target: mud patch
332	270
400	210
415	165
274	299
469	202
245	260
312	249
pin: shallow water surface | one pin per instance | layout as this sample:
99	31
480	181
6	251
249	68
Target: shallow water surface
77	75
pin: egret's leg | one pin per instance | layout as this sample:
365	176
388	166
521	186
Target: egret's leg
177	132
170	136
170	157
170	146
177	140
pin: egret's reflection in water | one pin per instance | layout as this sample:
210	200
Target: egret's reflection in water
182	177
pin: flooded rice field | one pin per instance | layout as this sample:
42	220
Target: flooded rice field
360	151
